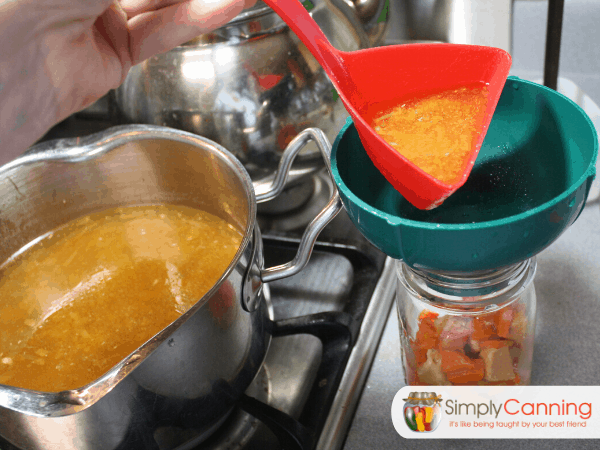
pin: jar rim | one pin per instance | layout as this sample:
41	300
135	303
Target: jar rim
472	292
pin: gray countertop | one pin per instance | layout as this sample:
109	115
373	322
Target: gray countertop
567	280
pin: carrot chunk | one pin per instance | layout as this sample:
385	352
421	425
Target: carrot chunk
459	369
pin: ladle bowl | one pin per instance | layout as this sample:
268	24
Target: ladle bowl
528	185
372	80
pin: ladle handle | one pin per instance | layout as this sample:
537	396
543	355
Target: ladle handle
295	15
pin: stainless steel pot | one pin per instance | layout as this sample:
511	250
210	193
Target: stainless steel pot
187	377
251	85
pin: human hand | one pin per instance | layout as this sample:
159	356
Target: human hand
59	56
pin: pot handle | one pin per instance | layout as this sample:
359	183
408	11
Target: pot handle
318	223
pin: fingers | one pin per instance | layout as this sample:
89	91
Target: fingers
154	32
112	26
249	4
135	7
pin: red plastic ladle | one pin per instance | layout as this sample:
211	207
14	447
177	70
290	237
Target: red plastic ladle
367	78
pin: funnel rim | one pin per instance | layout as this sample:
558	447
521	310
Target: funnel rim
395	221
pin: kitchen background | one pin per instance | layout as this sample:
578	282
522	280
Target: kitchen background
567	281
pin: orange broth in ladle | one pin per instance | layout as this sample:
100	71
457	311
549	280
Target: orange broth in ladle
436	132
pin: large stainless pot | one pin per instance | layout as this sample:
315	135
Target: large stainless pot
251	85
187	377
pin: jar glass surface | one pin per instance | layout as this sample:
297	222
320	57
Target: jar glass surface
472	328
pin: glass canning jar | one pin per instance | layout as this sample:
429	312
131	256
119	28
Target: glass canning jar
473	328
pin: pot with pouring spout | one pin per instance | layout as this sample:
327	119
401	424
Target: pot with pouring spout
188	376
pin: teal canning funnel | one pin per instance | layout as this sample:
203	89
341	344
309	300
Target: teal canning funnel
529	183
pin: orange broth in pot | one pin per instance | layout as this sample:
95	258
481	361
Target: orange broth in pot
80	299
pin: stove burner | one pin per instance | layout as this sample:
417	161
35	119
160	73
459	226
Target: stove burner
240	427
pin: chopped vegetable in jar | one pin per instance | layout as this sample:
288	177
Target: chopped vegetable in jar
461	350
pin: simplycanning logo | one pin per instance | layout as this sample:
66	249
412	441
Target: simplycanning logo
422	412
514	407
497	412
